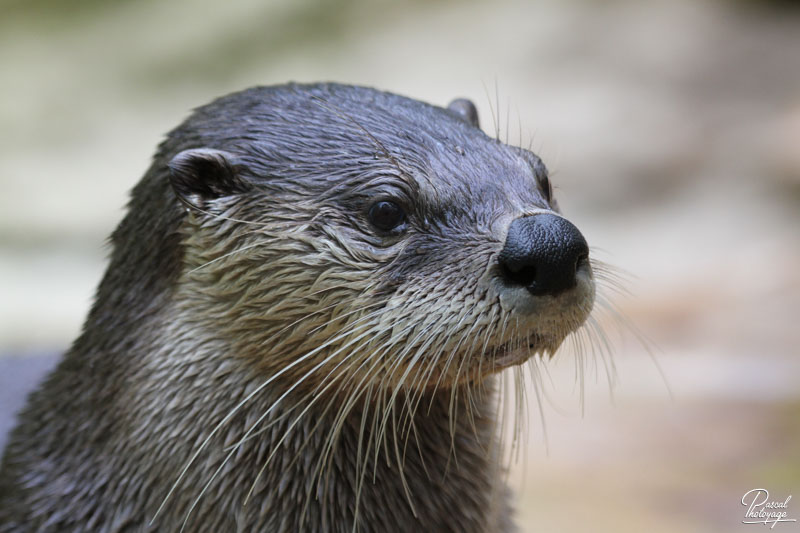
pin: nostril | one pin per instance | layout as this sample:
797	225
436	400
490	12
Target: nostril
522	275
583	259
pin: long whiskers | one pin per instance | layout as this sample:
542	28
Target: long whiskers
288	391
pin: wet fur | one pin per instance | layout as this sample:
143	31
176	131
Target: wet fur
257	358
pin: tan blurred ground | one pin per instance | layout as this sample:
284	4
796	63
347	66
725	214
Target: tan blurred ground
672	128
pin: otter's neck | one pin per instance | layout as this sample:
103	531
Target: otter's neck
303	466
166	414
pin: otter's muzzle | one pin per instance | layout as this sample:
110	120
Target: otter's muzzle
542	253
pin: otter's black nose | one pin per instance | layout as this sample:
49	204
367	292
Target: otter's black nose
542	253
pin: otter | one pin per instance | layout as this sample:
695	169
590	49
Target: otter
301	324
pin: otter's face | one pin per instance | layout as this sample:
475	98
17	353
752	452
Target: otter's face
380	237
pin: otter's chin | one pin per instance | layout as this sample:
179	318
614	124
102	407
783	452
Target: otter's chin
511	353
515	353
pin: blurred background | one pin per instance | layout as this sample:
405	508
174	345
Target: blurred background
672	129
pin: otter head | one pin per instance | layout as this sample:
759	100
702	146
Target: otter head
341	233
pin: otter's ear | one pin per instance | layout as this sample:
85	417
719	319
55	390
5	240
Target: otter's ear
465	110
203	174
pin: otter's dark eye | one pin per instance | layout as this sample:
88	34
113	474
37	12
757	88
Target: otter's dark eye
386	215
